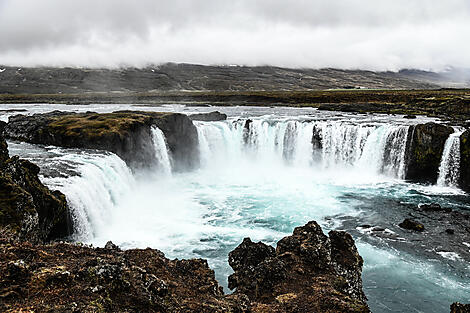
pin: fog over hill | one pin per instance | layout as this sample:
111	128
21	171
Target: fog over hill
178	77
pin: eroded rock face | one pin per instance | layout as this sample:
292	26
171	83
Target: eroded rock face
424	151
465	161
308	272
71	278
28	208
126	133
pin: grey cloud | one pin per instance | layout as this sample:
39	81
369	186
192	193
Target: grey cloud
373	34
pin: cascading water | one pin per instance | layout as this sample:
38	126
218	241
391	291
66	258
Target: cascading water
370	147
93	194
262	177
162	154
449	169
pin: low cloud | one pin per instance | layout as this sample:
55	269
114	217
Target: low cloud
366	34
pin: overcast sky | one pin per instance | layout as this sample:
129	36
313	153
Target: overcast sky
366	34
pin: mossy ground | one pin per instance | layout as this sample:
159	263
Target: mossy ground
450	103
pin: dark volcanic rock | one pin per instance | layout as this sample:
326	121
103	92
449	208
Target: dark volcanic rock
465	161
209	117
28	209
459	308
424	151
65	277
126	133
411	225
308	272
70	278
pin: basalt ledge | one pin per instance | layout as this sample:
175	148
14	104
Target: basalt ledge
125	133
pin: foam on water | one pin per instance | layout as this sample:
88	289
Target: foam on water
260	178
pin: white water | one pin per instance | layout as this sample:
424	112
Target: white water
371	148
449	169
92	195
261	183
162	153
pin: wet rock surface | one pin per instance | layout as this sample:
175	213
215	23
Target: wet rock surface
465	161
411	225
126	133
308	272
28	209
424	151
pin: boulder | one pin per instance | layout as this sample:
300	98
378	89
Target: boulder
126	133
209	117
308	272
424	151
434	207
411	225
28	209
465	161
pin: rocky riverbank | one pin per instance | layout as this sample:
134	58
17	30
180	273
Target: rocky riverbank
308	271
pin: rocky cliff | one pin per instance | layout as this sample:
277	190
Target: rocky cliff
28	209
308	272
465	161
424	151
126	133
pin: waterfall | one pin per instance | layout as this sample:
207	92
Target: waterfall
449	169
101	183
162	154
377	148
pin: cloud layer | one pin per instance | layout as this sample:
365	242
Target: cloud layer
366	34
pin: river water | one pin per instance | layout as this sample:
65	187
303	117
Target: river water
263	172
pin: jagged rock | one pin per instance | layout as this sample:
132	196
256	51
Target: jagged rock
111	246
459	308
465	161
308	272
65	277
209	117
28	208
424	151
411	225
126	133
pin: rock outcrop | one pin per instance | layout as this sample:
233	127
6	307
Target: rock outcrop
70	278
307	272
459	308
28	209
425	145
126	133
465	161
209	117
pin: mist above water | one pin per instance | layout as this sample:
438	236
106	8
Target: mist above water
260	179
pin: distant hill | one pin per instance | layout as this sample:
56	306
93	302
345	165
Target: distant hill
177	77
